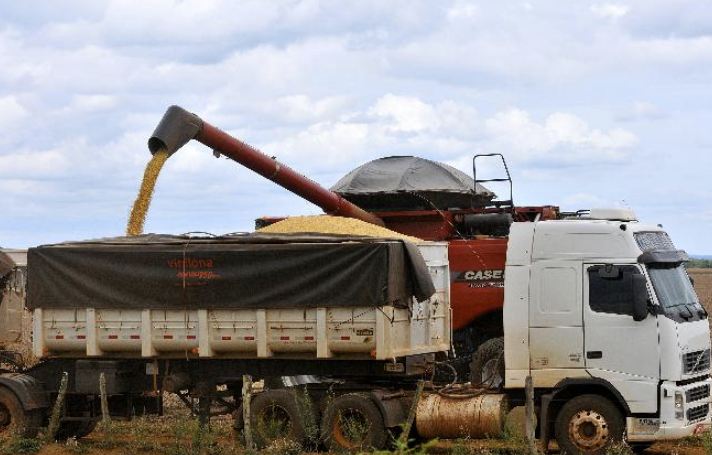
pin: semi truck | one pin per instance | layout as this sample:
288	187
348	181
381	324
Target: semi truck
595	307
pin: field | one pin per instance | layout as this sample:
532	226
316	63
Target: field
703	285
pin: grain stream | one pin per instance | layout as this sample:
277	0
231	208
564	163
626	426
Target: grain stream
327	224
143	200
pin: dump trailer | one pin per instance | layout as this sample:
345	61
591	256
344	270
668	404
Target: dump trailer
190	315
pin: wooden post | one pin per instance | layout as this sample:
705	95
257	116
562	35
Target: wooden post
529	412
411	414
57	410
246	398
105	417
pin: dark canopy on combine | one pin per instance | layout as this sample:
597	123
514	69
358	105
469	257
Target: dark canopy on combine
409	182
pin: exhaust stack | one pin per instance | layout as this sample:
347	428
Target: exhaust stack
179	126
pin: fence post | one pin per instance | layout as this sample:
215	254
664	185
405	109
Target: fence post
105	417
411	414
246	398
529	412
57	410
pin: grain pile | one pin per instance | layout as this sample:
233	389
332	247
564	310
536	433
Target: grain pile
327	224
143	200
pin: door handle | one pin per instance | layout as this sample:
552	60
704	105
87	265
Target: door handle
594	354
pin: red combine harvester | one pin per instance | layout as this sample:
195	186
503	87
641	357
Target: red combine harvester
409	195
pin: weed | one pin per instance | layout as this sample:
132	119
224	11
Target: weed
108	430
74	447
17	444
305	406
619	448
706	442
401	447
140	431
273	423
283	447
354	426
460	447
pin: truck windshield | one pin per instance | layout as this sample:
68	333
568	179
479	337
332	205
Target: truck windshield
675	292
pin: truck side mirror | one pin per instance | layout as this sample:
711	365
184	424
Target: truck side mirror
640	297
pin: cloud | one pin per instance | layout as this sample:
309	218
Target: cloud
408	125
579	201
327	85
12	112
406	114
609	10
641	110
562	138
92	103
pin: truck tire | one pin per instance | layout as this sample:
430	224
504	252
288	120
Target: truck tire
353	422
588	424
487	366
275	416
14	419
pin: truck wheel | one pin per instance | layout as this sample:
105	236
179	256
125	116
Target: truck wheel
352	422
487	366
14	419
276	417
588	424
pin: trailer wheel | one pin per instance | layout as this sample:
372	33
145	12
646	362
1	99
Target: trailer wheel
14	419
487	366
275	417
352	422
588	424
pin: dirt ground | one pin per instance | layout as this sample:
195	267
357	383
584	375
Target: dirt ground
703	285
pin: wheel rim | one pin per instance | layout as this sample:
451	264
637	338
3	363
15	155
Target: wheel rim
274	423
351	428
588	430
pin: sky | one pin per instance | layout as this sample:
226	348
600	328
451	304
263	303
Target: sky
593	104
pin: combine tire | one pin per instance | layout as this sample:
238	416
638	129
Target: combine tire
589	424
14	419
487	366
352	422
275	417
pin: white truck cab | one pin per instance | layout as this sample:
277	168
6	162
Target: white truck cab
603	317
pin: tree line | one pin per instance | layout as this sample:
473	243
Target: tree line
699	264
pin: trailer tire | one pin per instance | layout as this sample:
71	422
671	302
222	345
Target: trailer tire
353	422
588	424
14	419
488	360
275	416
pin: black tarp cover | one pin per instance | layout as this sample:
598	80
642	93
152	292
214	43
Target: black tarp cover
401	182
238	271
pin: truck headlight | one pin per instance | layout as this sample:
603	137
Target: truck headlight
679	412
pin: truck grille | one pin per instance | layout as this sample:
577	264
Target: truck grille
698	393
696	362
698	412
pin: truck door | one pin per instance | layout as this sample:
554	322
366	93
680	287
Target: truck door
613	341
